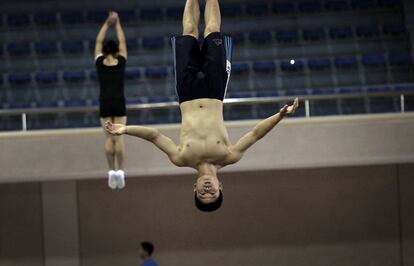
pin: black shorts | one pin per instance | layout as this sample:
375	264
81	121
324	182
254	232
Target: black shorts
112	107
205	72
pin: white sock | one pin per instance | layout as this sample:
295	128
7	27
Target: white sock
121	179
112	184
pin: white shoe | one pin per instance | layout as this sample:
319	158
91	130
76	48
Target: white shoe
112	180
120	176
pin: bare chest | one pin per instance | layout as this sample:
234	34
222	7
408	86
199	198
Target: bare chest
211	150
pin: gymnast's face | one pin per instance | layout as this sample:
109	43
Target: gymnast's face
207	188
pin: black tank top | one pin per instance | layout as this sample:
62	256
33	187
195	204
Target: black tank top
111	78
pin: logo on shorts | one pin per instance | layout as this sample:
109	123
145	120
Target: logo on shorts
218	42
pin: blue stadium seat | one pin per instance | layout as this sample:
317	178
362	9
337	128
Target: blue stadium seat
336	5
48	47
17	105
287	36
264	67
404	88
20	78
373	60
296	92
394	29
153	42
284	8
296	66
368	31
257	9
240	68
93	75
47	77
237	38
45	19
19	48
72	17
72	47
74	76
324	108
350	90
132	73
390	3
324	91
151	14
18	20
174	12
127	15
345	62
310	6
314	34
319	64
260	37
400	58
156	72
75	103
363	4
91	45
231	10
132	44
240	94
378	89
97	16
340	32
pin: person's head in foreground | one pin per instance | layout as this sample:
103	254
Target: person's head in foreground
111	48
208	193
146	250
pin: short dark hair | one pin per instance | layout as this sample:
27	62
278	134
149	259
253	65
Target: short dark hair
209	207
147	247
110	47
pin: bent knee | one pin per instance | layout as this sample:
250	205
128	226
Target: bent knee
189	28
211	29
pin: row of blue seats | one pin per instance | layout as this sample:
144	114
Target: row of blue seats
340	62
343	32
400	88
227	10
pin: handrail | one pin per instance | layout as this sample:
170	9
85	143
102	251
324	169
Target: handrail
228	101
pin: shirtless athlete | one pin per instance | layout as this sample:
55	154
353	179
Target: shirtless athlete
201	82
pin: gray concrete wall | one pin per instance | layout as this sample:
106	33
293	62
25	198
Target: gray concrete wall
295	143
21	230
360	215
333	216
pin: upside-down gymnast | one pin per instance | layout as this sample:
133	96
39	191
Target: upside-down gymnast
110	60
202	76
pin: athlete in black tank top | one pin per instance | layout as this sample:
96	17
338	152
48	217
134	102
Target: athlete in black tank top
110	61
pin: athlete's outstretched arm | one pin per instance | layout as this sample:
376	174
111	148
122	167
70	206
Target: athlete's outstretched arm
102	33
120	35
259	131
150	134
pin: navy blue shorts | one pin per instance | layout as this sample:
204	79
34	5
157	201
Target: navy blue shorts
205	72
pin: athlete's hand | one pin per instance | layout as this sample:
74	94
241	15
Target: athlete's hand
111	20
290	109
114	15
115	129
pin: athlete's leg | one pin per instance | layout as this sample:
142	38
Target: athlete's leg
119	144
212	17
109	145
191	18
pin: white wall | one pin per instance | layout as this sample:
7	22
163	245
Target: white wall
295	143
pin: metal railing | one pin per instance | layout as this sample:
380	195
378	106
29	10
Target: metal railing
306	99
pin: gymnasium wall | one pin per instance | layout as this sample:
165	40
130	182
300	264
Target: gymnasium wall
357	215
294	143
